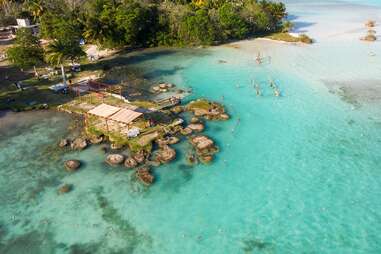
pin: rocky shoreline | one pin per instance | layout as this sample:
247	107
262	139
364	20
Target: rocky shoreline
153	146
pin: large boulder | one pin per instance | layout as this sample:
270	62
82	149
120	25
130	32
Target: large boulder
114	159
165	154
72	165
130	163
145	176
79	144
202	142
197	127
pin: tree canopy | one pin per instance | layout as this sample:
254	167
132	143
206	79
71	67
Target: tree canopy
146	23
112	23
27	51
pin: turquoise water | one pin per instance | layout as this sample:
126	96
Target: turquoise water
296	174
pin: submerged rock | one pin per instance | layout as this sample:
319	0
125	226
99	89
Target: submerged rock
206	159
65	188
79	144
72	165
145	176
165	154
64	142
197	127
130	163
114	159
162	88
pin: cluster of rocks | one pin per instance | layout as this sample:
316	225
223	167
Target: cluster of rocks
162	88
132	162
141	158
76	144
204	147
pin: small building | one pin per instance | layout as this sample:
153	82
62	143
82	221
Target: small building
116	119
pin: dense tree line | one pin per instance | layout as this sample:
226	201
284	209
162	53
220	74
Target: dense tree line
146	23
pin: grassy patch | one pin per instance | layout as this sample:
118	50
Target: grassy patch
286	37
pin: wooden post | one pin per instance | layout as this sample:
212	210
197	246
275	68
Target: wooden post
107	125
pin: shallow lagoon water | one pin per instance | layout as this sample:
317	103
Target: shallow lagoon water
296	174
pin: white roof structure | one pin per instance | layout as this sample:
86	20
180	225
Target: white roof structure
104	110
122	115
125	116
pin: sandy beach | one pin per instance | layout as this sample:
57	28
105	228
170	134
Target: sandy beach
338	60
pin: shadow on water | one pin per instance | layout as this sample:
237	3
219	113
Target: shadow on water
254	245
32	243
120	226
299	26
135	57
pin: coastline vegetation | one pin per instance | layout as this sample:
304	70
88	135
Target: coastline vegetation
149	23
286	37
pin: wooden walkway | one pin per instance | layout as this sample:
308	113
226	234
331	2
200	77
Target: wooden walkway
168	102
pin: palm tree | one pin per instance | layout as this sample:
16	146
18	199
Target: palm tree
58	51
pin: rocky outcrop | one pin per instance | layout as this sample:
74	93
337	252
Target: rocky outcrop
202	142
79	144
115	159
208	110
139	157
165	154
196	127
72	165
205	148
145	176
65	188
130	163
